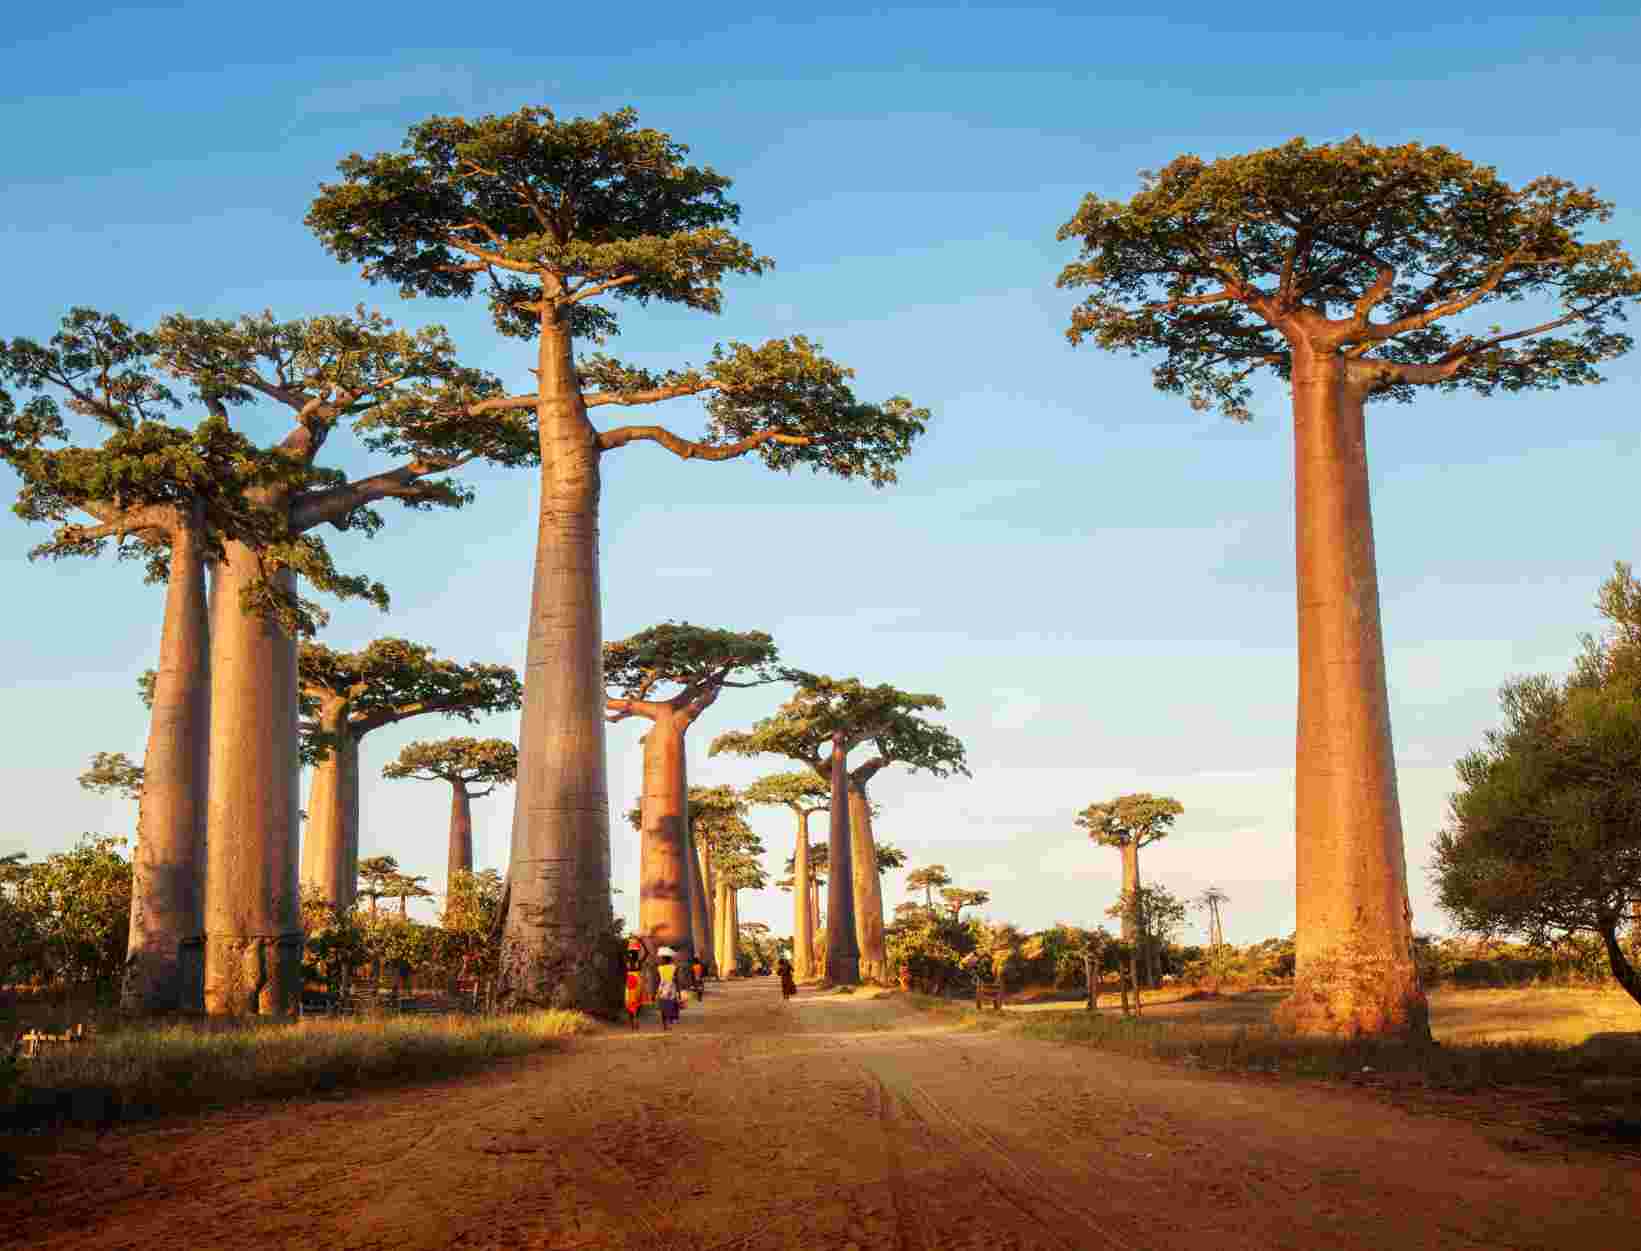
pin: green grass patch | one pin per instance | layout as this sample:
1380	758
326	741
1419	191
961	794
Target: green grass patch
144	1071
1460	1067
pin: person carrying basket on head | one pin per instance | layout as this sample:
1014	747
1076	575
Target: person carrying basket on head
668	996
698	970
633	968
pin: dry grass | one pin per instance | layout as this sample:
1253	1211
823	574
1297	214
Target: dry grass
157	1070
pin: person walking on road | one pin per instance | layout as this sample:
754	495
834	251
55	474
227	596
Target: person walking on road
667	994
698	970
633	961
788	986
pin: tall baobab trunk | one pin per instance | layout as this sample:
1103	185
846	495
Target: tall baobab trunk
874	958
803	894
842	946
1130	888
253	921
163	964
663	872
722	949
461	833
709	894
700	916
330	847
1356	973
558	947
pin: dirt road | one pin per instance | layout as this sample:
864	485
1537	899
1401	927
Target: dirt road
827	1123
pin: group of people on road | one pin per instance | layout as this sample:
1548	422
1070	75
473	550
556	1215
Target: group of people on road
673	979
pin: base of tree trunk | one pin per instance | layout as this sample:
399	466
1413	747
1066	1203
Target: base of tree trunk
580	972
1350	994
252	975
843	970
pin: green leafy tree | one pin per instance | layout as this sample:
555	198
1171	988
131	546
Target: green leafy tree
1210	902
554	220
1352	272
376	874
837	715
76	906
353	694
472	945
1544	836
465	763
113	772
1128	823
336	941
668	675
957	898
731	853
928	879
803	794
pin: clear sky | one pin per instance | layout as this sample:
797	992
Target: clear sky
1098	580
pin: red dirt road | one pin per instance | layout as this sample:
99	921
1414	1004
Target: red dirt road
827	1124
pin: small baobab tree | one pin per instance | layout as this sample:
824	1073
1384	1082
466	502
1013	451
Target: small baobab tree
928	879
837	715
803	794
1354	273
1128	823
350	696
555	220
956	898
464	763
669	675
1210	901
718	830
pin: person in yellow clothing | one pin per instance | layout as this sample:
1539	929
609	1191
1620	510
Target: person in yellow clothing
668	995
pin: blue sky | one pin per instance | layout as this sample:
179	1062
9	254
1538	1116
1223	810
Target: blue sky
1097	579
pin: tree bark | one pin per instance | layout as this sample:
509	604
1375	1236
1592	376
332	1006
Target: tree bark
663	873
461	832
874	958
558	944
700	916
253	921
709	891
842	945
720	949
1356	975
330	845
1130	887
168	865
803	893
1623	971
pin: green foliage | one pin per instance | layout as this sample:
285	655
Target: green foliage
957	898
376	874
1544	836
113	772
1140	819
554	215
928	879
334	939
824	707
1155	912
931	947
697	660
1356	250
69	915
490	762
471	938
803	792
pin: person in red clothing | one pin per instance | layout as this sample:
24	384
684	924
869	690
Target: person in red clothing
634	971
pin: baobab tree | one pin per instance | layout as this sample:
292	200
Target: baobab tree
1354	273
957	898
1128	823
557	219
737	867
840	714
1210	900
804	794
928	879
354	694
465	763
669	675
407	396
717	819
170	497
376	875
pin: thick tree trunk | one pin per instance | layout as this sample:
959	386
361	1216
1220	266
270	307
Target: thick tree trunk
700	916
720	947
1356	974
330	845
803	894
874	959
1130	885
558	940
663	869
461	833
168	866
253	920
1623	971
709	892
842	945
732	932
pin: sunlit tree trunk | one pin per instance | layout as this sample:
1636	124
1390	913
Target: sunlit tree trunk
558	947
663	873
709	891
330	860
168	865
722	948
461	833
874	959
842	945
253	925
1356	973
700	924
803	895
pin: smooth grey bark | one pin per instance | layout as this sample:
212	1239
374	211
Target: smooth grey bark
461	832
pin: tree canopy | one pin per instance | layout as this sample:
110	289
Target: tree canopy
928	879
392	679
1363	253
802	792
113	772
685	666
552	215
803	729
1139	819
467	762
957	898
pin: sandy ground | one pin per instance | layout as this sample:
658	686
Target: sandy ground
827	1123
